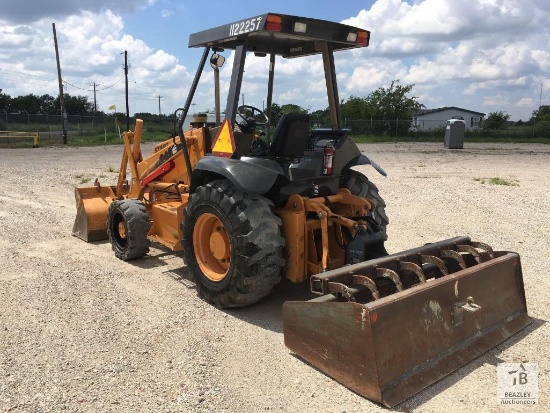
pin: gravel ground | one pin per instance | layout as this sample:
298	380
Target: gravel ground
83	331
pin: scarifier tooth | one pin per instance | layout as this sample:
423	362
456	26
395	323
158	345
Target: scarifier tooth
369	283
438	262
454	255
470	250
342	289
392	275
483	246
411	266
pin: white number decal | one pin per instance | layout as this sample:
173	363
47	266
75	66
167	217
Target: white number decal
246	26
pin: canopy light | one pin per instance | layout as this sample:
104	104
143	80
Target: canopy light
274	23
352	37
362	38
300	27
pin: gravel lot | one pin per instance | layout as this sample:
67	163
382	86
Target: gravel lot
83	331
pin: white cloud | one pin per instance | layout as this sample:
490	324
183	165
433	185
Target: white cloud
526	102
91	47
458	52
167	13
481	54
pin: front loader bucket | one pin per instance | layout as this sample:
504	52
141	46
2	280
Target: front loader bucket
91	212
389	327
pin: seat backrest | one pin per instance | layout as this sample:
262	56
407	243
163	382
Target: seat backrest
290	136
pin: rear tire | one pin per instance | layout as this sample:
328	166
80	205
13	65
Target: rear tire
359	185
127	228
232	245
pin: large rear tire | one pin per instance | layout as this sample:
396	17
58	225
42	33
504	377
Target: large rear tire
232	245
359	185
127	228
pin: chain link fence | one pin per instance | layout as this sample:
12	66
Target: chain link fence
82	128
50	127
435	129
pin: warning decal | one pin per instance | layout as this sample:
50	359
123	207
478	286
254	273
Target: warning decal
224	144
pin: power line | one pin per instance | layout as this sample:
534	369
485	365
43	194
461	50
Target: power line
76	87
26	75
111	86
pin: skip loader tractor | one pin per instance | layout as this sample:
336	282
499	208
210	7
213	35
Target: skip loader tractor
249	202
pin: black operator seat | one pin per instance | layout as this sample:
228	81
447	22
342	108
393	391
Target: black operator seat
290	136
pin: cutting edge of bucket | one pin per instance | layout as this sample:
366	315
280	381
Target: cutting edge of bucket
343	340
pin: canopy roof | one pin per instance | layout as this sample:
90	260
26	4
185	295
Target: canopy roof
283	35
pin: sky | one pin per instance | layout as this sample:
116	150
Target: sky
481	55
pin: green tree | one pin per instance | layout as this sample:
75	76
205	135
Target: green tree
542	114
541	120
355	112
76	105
320	117
47	105
392	104
28	103
292	108
5	102
277	111
496	120
355	108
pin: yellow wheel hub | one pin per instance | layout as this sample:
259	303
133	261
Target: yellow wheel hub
212	247
122	230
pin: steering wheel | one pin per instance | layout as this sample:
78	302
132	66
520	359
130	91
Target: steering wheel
252	117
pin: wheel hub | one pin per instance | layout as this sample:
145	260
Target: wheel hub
122	230
212	247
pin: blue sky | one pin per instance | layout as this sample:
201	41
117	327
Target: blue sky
483	55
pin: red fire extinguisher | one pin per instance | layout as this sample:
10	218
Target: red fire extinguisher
328	158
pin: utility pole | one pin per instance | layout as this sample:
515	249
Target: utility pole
540	96
94	84
160	116
126	77
61	97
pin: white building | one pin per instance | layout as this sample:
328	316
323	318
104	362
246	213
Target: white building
430	119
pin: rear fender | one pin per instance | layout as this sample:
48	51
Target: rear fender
365	160
250	175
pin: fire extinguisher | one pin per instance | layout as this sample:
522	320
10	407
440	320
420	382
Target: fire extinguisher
328	158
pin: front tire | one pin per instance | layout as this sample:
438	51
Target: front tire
359	185
232	245
127	228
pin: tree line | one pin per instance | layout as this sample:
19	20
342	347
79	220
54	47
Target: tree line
500	120
385	105
389	104
45	104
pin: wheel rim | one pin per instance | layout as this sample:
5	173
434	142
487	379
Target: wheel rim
120	231
212	247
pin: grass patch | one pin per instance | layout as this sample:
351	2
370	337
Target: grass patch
83	178
497	181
